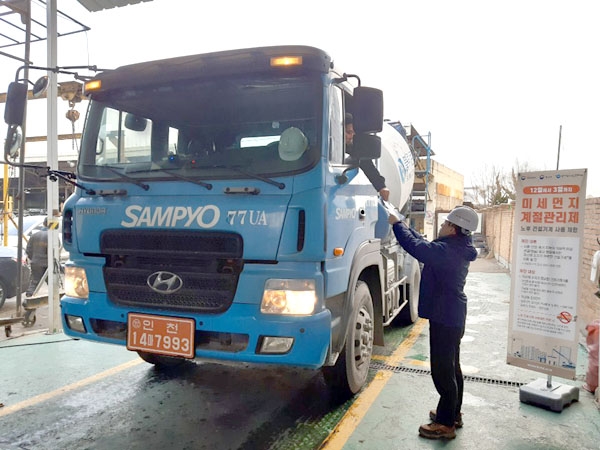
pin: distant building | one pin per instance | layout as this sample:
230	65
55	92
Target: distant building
437	188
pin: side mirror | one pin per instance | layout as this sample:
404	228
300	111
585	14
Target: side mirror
14	139
366	146
40	87
367	110
16	97
135	123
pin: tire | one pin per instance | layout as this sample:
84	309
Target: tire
410	313
161	361
350	372
3	293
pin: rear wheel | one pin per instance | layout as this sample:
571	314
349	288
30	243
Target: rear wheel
410	313
349	374
161	361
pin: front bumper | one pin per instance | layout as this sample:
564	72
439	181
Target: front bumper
234	335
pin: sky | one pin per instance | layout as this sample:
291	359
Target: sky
491	82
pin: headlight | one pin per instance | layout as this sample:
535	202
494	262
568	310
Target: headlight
76	284
289	297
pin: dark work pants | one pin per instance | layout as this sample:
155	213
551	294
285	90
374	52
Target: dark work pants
444	342
37	272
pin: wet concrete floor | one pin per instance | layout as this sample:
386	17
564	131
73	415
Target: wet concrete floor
64	394
494	418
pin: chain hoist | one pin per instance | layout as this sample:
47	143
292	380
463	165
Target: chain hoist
73	115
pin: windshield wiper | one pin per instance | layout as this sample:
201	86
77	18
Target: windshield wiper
122	176
68	177
54	174
237	169
260	177
176	175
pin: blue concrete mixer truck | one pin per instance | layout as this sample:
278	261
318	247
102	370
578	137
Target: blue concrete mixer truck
218	215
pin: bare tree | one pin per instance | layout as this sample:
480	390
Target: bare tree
490	187
519	167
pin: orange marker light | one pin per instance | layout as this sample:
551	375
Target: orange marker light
286	61
338	251
93	85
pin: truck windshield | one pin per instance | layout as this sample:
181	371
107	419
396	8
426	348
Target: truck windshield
204	129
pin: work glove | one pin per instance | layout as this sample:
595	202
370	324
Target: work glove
385	193
394	216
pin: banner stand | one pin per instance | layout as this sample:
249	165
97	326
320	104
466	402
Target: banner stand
544	393
547	243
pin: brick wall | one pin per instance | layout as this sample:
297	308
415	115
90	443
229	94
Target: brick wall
589	304
498	228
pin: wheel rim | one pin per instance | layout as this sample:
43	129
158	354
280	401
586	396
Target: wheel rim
363	340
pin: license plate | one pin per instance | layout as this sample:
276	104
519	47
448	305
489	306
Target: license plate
171	336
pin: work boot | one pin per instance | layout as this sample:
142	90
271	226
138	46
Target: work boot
437	431
458	423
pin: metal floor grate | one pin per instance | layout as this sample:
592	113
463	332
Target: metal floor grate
397	369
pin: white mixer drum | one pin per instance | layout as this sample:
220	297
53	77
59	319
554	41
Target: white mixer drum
396	165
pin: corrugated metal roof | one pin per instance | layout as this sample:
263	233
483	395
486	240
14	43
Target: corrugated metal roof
99	5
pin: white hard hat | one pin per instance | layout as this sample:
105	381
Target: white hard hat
464	217
292	144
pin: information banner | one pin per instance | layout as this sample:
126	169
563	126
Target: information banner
546	258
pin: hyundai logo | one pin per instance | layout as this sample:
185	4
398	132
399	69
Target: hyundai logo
164	282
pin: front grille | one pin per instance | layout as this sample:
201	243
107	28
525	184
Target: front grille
208	263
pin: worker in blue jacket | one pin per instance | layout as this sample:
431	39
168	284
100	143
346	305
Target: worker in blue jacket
442	300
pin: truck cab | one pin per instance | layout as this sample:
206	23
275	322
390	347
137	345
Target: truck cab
217	216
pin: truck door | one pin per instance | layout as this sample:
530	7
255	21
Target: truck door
351	209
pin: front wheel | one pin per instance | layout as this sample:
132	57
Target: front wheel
3	293
161	361
349	374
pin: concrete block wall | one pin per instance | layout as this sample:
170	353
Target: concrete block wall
498	228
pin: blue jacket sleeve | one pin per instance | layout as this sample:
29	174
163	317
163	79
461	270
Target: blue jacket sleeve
417	246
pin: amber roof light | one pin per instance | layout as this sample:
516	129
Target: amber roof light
286	61
92	85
